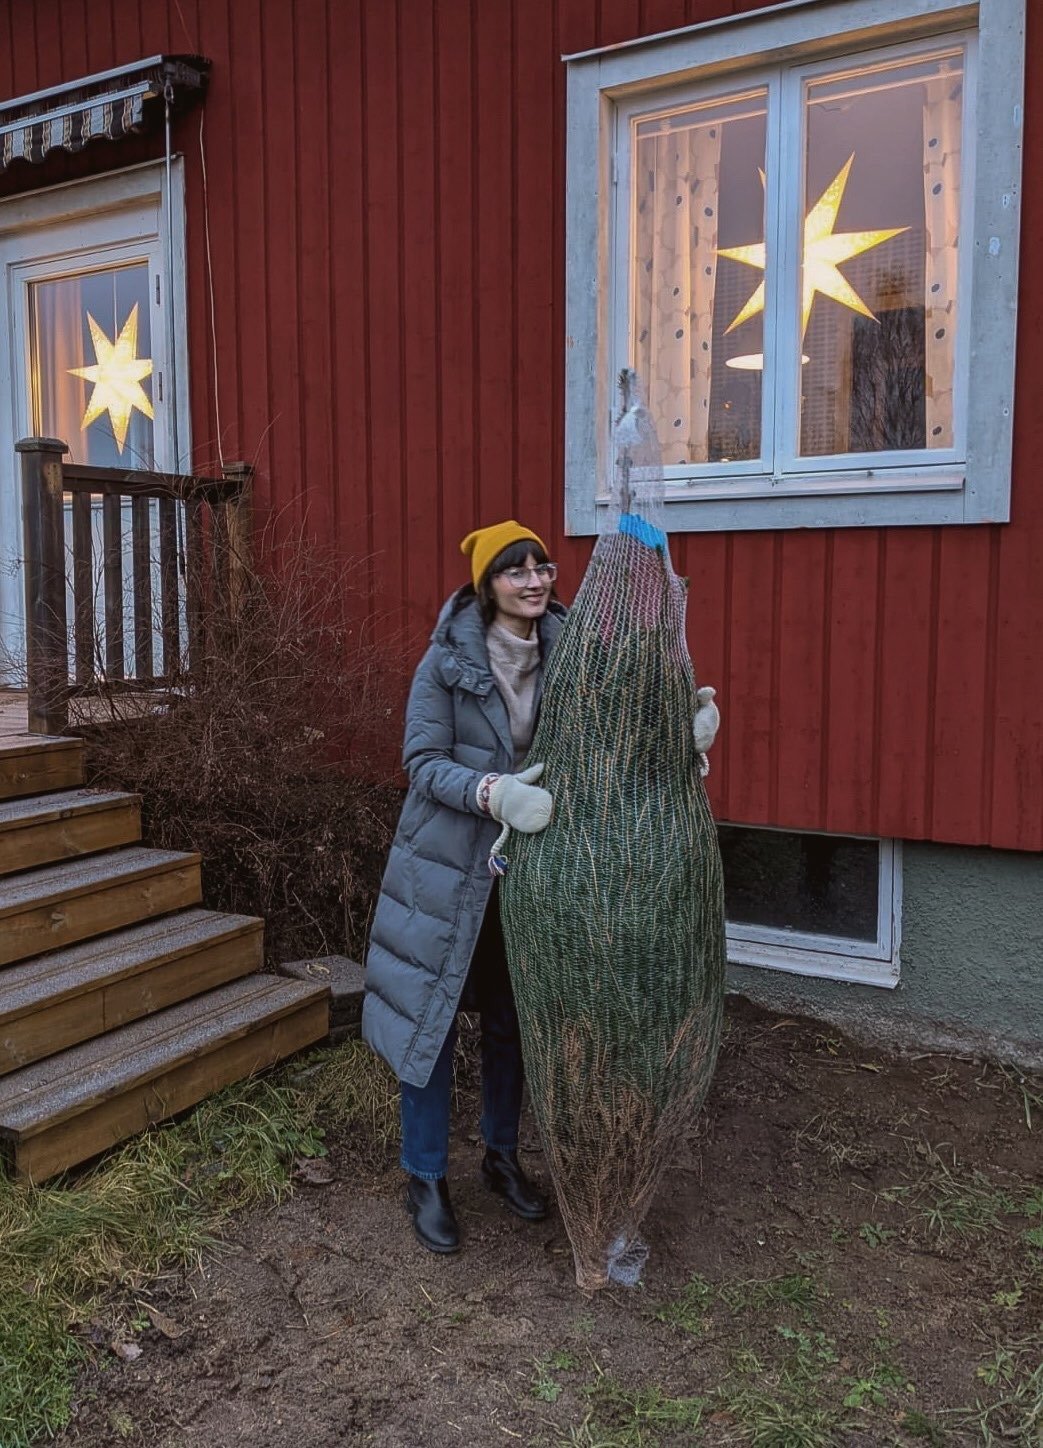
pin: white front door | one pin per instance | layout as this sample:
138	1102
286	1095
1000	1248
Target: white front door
86	320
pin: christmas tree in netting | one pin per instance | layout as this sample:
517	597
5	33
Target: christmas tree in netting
614	915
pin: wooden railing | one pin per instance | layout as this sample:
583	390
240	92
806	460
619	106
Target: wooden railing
177	591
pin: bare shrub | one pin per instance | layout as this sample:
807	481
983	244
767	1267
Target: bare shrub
270	757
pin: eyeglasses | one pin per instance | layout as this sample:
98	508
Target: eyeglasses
519	577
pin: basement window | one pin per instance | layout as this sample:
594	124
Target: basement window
813	904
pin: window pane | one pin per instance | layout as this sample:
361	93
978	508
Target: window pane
881	239
697	312
814	884
91	369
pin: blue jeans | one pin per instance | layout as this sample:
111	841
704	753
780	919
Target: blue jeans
425	1109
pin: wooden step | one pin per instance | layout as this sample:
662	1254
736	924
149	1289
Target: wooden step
58	905
61	1111
35	763
48	827
57	1000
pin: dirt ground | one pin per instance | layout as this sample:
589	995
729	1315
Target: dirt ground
849	1252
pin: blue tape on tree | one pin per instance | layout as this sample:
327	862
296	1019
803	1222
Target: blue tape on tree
634	526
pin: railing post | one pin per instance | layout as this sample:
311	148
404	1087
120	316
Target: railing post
195	588
43	534
239	533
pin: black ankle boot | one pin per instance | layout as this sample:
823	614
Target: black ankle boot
503	1175
434	1220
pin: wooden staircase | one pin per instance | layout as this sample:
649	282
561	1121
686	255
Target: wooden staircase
122	1002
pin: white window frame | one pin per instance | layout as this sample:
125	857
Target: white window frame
968	484
115	218
833	957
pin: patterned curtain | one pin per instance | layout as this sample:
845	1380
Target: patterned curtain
58	345
676	275
942	126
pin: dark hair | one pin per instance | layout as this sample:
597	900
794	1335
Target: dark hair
512	556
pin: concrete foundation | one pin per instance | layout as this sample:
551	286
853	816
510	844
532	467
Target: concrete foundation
971	962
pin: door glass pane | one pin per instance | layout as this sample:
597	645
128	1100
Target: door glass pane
697	281
91	365
880	256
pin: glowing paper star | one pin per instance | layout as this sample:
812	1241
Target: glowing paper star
824	250
117	375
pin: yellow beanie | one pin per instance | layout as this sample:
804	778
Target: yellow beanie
484	544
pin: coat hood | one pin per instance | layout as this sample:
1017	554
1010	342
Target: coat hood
460	629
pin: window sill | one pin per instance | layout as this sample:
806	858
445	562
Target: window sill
812	485
827	963
814	500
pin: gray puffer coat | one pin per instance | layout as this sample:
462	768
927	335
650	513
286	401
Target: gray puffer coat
437	884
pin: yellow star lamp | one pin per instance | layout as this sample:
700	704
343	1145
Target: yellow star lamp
824	250
117	374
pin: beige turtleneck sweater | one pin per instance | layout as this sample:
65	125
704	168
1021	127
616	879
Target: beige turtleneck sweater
515	664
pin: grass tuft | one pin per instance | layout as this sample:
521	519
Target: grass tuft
1029	1091
39	1360
621	1417
1015	1371
770	1415
790	1387
689	1309
969	1204
919	1426
795	1291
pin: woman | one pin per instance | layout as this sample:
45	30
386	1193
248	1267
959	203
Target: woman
436	932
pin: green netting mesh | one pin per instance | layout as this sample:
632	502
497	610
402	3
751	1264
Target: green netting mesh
613	917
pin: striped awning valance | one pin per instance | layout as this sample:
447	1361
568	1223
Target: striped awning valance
107	106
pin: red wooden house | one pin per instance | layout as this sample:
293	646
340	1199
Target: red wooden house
394	252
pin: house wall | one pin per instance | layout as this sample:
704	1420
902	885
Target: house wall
386	246
972	962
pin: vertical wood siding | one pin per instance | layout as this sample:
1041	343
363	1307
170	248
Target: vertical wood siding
385	203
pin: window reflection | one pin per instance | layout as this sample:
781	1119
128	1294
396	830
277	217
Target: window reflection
873	285
697	188
62	340
814	884
880	376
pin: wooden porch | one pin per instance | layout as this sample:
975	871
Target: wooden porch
122	1000
14	713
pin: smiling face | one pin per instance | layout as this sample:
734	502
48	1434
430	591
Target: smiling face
516	592
518	607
